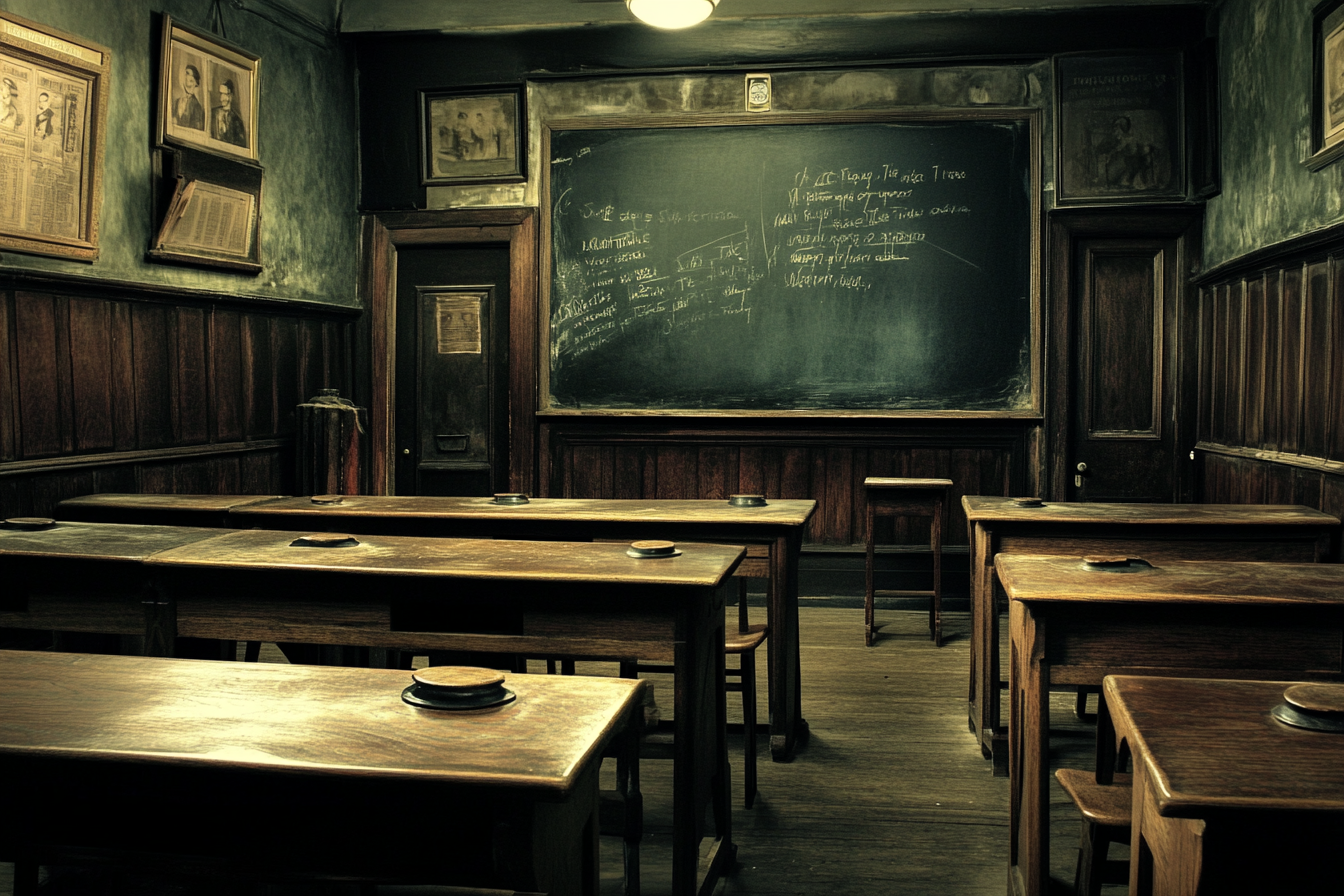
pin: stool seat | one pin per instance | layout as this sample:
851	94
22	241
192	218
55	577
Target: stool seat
1106	811
744	641
906	497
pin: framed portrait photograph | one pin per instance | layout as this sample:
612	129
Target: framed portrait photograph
1119	128
471	137
54	93
1327	107
208	92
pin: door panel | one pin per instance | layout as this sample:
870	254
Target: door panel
1121	446
451	370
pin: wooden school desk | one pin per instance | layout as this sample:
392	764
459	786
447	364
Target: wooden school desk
87	578
772	534
1153	531
158	510
1227	799
558	599
1073	624
502	798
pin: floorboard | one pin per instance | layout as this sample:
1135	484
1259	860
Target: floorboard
889	795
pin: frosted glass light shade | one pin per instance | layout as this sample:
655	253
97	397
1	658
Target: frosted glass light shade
671	13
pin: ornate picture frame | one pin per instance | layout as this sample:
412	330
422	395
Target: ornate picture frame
1119	128
54	92
208	92
473	136
1327	91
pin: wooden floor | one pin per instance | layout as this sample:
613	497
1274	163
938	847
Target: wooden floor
889	795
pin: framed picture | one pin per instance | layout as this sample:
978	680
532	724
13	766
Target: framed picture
1327	105
211	212
54	92
471	137
207	93
1119	128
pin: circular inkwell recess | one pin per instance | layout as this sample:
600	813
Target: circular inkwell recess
325	540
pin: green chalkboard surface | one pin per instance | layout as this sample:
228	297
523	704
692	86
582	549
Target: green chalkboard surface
840	266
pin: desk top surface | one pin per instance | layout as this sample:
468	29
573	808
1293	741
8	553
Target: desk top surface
1028	577
214	503
303	719
990	509
794	512
103	541
1213	746
774	513
697	565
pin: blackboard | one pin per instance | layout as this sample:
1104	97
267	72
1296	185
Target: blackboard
881	265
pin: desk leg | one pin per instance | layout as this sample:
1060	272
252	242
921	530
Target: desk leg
700	752
160	623
1028	756
1166	855
985	668
550	848
787	726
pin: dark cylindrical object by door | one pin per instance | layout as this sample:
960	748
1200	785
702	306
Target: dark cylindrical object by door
328	448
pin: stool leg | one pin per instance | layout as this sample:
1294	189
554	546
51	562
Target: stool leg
936	602
868	612
747	675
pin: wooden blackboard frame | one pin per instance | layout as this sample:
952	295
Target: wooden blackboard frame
1029	116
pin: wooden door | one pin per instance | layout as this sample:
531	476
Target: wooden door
1121	392
451	370
1122	434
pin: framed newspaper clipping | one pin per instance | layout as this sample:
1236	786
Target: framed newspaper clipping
208	92
54	90
1327	89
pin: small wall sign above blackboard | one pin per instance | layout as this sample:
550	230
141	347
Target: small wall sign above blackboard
802	266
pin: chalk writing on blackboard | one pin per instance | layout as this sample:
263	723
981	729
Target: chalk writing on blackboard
776	267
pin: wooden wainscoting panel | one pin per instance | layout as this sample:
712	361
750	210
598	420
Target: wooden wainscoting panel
716	468
40	408
1290	364
258	376
284	362
226	375
91	365
121	377
9	448
1335	408
192	385
311	360
153	364
1317	313
678	472
618	459
1256	350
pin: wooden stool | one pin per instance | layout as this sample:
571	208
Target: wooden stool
1106	810
916	498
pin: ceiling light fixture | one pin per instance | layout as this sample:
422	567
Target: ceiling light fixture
671	13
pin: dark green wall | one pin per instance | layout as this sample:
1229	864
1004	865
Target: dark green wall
307	141
1266	71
